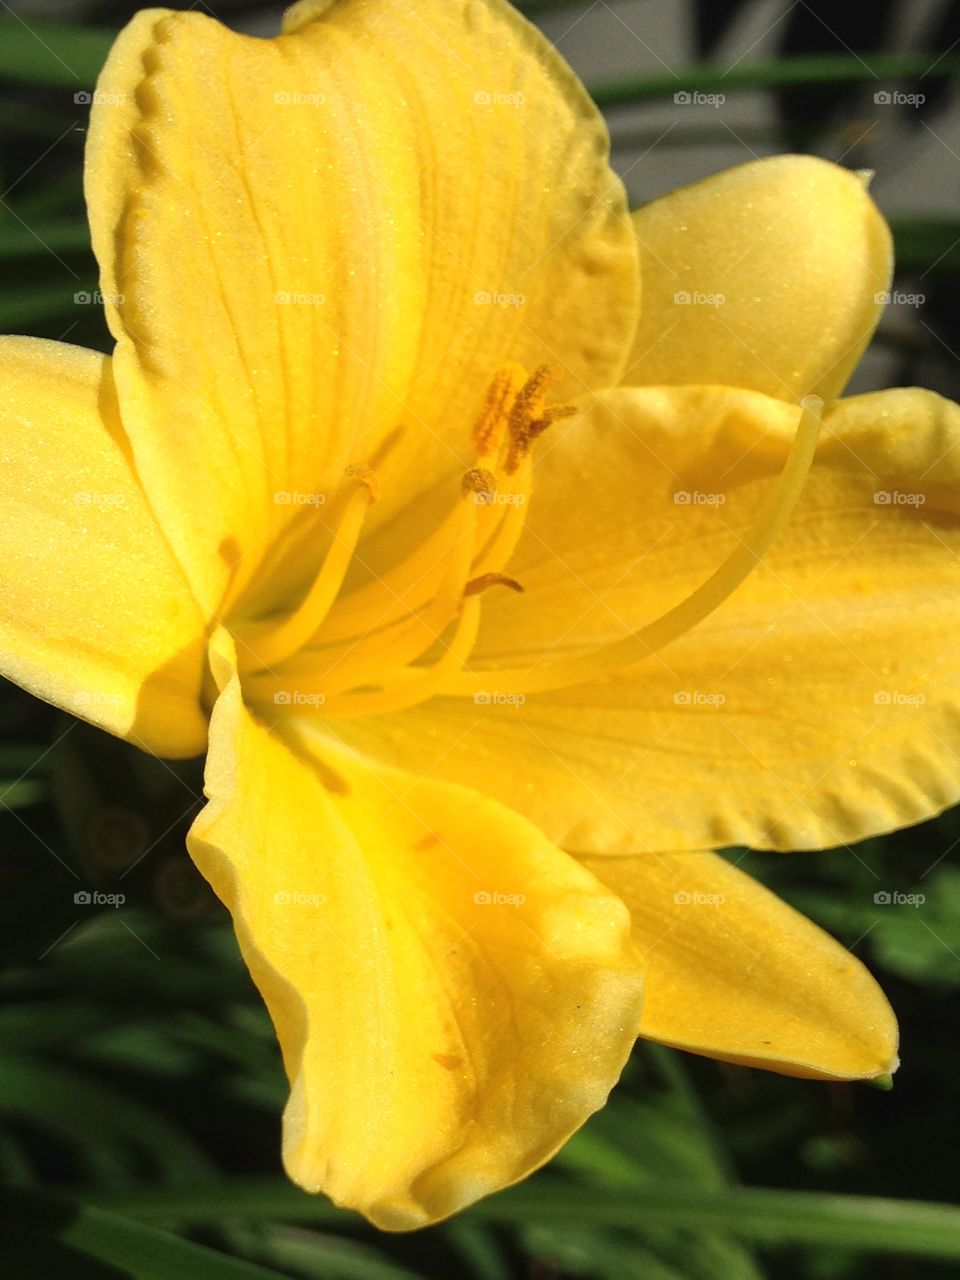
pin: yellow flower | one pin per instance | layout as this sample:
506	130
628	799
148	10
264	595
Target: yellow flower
374	291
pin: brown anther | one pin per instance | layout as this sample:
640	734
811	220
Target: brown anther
480	482
528	417
476	585
547	418
501	393
367	477
532	395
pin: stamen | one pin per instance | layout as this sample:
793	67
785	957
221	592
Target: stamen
389	599
332	647
549	416
486	580
482	482
273	642
393	651
367	477
389	651
497	549
542	676
491	425
528	410
350	617
414	685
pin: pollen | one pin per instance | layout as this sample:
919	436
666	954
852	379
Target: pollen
367	477
491	426
529	415
369	652
480	481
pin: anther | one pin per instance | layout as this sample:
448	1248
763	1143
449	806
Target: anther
367	477
547	418
780	500
480	481
503	390
528	417
476	585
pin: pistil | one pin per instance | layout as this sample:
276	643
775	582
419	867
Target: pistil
542	675
381	670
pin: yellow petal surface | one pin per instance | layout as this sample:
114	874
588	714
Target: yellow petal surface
453	995
818	705
95	614
311	241
734	973
769	276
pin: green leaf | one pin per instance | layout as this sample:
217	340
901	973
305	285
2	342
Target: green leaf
52	53
483	1254
20	793
636	1143
61	235
25	306
574	1251
927	244
771	1217
95	1117
325	1257
19	758
44	1236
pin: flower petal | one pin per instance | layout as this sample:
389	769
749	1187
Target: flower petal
441	1041
736	974
818	705
769	276
309	241
95	615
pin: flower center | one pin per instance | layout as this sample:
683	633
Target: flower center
395	642
407	636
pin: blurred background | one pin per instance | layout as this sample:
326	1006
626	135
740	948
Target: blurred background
140	1083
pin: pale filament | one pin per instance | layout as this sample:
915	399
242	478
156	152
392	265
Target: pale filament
389	652
274	642
366	662
542	676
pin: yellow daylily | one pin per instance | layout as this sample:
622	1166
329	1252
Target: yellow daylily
379	363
